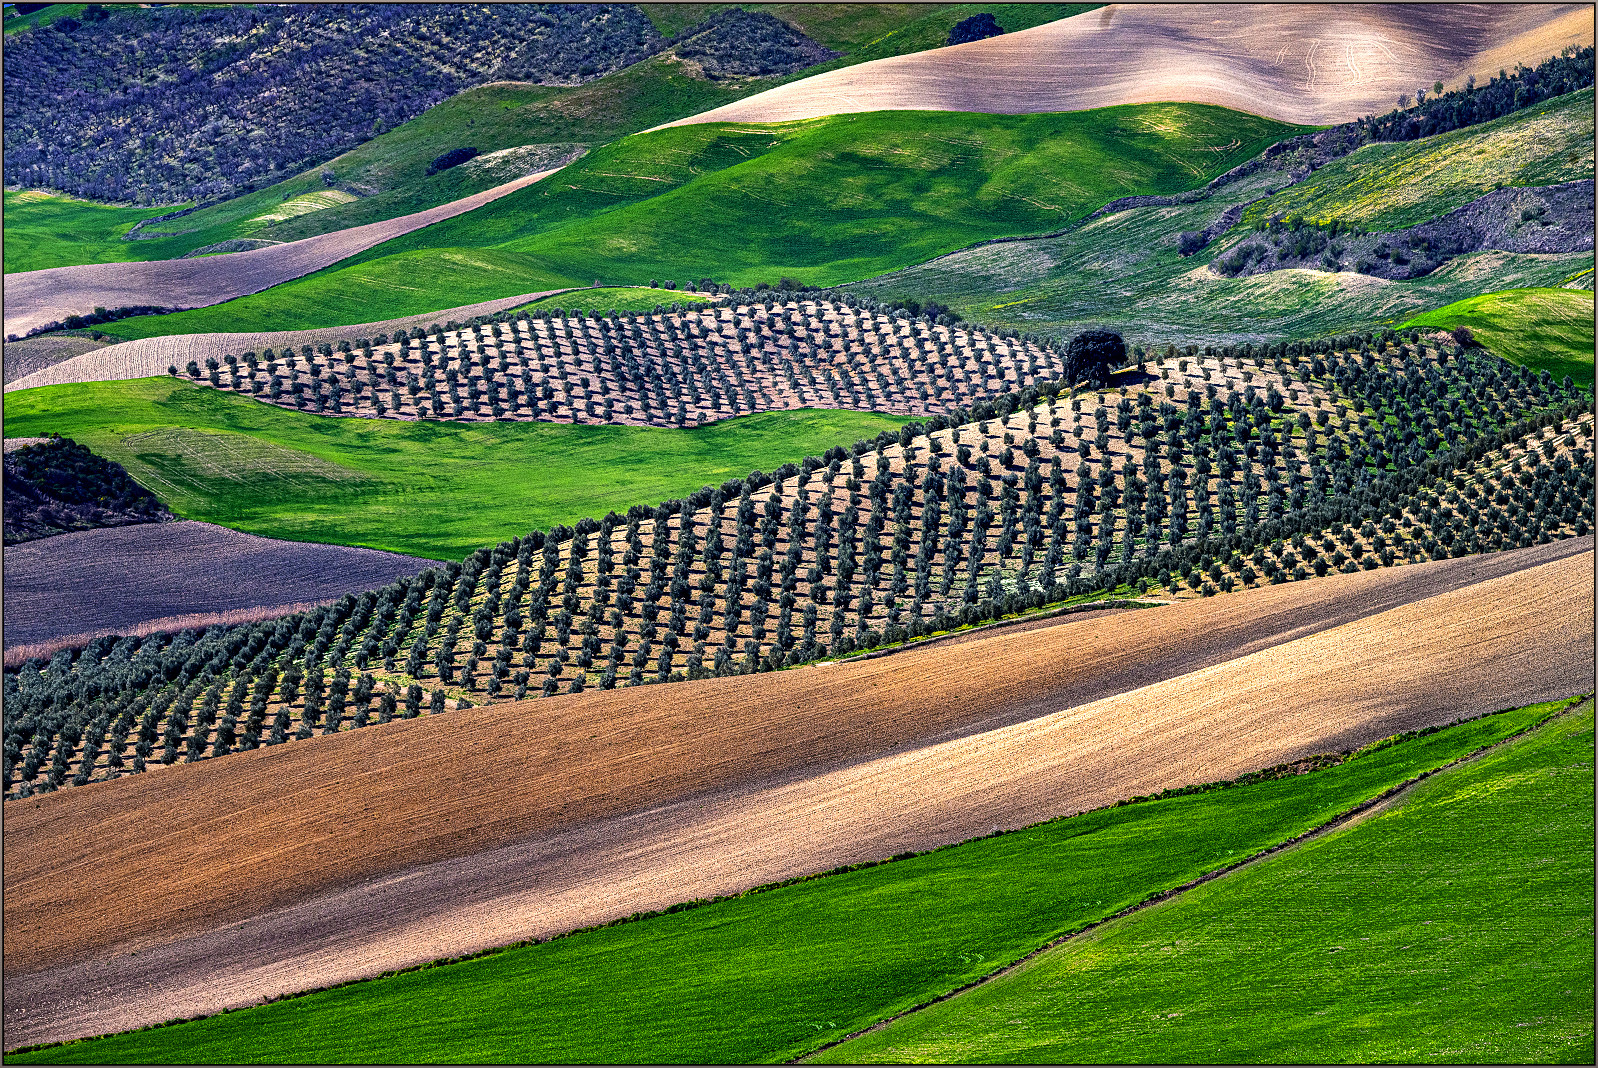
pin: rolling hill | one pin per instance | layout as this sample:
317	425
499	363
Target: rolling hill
38	299
1545	329
1127	269
827	201
1306	64
512	124
963	549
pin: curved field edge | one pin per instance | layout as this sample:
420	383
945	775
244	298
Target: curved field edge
1546	329
826	201
1454	925
429	489
781	970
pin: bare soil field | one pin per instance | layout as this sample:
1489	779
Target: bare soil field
23	358
44	364
1305	63
106	581
221	882
37	298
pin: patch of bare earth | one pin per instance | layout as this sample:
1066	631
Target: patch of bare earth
115	580
296	866
1304	63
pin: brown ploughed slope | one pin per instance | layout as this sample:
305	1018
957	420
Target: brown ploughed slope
434	822
1304	63
218	840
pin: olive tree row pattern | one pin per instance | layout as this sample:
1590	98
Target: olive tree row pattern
1311	457
672	368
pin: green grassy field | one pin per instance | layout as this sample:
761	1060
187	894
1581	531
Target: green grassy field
622	299
389	173
15	23
432	489
1547	329
1392	186
1454	928
773	975
825	201
51	231
1125	271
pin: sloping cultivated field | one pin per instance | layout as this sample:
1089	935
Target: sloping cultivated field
304	865
1479	879
1227	469
85	584
1300	64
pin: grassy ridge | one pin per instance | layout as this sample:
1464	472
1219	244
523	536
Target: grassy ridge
827	201
774	975
1390	186
431	489
1545	329
1125	270
1456	928
45	15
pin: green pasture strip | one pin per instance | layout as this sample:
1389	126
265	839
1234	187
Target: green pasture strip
771	975
431	489
44	230
1456	928
613	298
1546	329
825	201
1393	185
434	280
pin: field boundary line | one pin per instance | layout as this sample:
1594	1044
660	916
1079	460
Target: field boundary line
1356	813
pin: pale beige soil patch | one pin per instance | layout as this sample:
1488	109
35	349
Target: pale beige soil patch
1316	64
302	865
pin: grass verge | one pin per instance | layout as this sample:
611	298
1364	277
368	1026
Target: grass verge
1544	329
431	489
775	974
1454	927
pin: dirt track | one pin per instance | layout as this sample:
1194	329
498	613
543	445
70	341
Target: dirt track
151	356
105	581
1303	63
36	298
343	856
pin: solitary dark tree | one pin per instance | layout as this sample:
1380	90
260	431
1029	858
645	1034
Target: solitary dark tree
1092	354
975	28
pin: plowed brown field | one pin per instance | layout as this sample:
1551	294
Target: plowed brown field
1303	63
343	856
36	298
